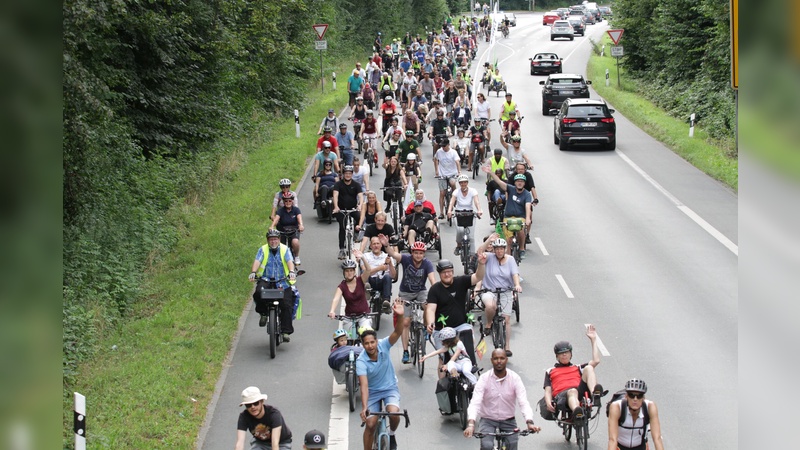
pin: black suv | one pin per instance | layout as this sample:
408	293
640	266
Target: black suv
585	121
559	87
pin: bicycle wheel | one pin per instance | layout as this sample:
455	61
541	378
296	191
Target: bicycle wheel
412	343
582	434
515	253
567	432
420	350
352	386
515	307
383	442
272	330
463	403
498	331
368	160
377	308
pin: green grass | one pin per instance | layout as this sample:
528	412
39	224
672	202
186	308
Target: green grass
704	153
153	390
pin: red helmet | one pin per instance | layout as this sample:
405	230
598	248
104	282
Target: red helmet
418	246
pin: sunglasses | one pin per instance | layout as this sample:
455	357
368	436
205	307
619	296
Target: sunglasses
250	405
637	395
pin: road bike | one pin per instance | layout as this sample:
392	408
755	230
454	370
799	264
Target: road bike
465	218
375	304
396	193
501	437
476	160
418	335
357	133
353	338
349	231
381	439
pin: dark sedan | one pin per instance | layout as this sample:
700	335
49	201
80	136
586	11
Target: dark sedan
584	121
559	87
577	25
545	63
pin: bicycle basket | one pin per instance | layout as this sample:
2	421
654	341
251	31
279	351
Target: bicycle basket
465	220
514	224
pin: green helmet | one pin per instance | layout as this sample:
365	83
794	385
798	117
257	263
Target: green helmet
520	176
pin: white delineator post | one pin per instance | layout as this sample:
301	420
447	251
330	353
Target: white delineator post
296	123
80	422
334	80
607	82
691	125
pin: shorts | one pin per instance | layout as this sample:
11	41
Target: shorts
420	297
506	298
443	182
255	444
390	398
561	397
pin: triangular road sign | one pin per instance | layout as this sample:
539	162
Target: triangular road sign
320	29
615	35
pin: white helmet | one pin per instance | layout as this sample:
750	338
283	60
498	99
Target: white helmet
463	178
447	333
499	242
411	157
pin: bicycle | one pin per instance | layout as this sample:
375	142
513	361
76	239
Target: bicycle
498	326
464	218
381	439
448	194
353	338
357	133
476	160
515	224
501	437
567	424
375	305
272	295
394	207
287	233
370	155
349	231
418	336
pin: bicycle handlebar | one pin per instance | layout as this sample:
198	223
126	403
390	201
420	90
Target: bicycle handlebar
503	433
354	317
386	414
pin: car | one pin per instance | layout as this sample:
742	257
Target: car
606	12
598	17
589	18
512	19
559	87
561	29
545	63
577	25
550	17
575	13
584	121
564	12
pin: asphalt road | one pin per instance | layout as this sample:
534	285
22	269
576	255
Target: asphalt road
645	245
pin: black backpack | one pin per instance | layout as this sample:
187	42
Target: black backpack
623	408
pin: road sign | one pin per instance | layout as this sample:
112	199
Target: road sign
616	50
320	45
615	35
320	29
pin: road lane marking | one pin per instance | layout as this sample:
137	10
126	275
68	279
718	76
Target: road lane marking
339	422
599	342
716	234
564	286
541	247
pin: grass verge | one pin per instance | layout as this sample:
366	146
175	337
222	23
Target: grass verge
702	152
152	379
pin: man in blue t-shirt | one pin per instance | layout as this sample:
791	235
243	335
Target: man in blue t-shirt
378	380
519	204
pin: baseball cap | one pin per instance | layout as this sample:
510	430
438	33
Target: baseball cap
418	203
314	439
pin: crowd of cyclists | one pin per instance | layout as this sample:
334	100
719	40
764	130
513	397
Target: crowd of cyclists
412	89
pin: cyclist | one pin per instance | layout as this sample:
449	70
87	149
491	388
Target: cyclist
411	171
409	145
277	202
388	111
494	399
496	195
508	106
382	271
327	136
516	153
354	85
483	112
360	174
378	380
426	83
346	195
497	81
518	205
511	126
393	132
447	304
359	111
369	209
427	206
394	179
417	100
447	166
565	383
340	353
411	124
324	182
478	135
326	154
346	142
625	430
457	357
464	198
501	273
380	227
274	262
439	126
462	115
264	422
417	270
417	222
369	95
369	130
353	290
462	145
289	218
329	121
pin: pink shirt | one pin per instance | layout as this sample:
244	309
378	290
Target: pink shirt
493	398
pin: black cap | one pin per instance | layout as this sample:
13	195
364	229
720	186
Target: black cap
314	439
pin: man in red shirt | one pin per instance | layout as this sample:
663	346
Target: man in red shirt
327	136
566	383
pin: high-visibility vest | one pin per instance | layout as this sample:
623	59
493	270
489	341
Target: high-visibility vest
283	251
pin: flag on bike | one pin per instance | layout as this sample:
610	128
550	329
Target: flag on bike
480	349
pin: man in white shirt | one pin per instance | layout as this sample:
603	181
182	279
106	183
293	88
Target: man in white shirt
447	166
464	198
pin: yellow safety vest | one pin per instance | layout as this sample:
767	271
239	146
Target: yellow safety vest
283	250
499	165
507	108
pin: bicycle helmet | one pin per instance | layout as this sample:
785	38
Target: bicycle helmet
284	182
520	176
327	130
461	130
287	196
370	112
444	142
411	157
347	169
418	246
508	94
326	144
447	333
636	385
516	138
348	264
562	347
443	264
498	151
342	126
359	98
512	113
389	97
463	178
273	233
499	242
339	333
409	133
398	131
477	119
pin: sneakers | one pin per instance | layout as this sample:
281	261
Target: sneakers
486	332
522	254
262	322
509	353
392	443
323	204
297	262
457	251
528	239
577	415
285	337
441	216
406	357
597	393
387	307
341	253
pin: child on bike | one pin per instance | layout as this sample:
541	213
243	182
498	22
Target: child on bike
340	351
459	361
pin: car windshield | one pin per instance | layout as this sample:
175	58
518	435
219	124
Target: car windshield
566	80
585	111
546	56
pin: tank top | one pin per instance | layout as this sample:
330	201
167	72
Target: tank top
630	435
370	126
369	217
355	302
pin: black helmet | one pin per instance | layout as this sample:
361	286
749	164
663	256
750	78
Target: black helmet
636	385
562	347
348	264
498	151
443	265
444	142
273	233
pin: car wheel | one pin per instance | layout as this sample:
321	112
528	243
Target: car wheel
555	138
533	73
545	110
563	145
572	38
611	145
552	38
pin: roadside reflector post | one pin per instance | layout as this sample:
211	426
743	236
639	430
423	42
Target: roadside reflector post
691	125
79	423
296	123
603	51
334	80
607	81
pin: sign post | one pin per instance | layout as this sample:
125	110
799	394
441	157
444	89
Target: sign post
320	44
616	51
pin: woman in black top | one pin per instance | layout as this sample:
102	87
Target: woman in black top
393	179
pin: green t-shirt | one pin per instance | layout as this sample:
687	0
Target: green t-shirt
405	147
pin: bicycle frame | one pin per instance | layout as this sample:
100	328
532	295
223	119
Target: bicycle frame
501	437
381	438
417	336
349	231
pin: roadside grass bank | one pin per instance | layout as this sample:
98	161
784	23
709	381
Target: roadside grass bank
709	155
151	381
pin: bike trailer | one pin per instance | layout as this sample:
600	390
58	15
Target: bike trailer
514	223
443	397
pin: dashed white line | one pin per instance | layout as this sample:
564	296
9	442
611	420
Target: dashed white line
541	246
600	345
564	286
339	422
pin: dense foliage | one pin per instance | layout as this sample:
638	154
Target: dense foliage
681	50
152	91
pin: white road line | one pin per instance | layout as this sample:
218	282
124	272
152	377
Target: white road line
564	286
683	208
339	422
600	345
541	247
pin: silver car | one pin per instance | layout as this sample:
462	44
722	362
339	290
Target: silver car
561	29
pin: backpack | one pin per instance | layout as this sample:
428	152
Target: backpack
623	408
